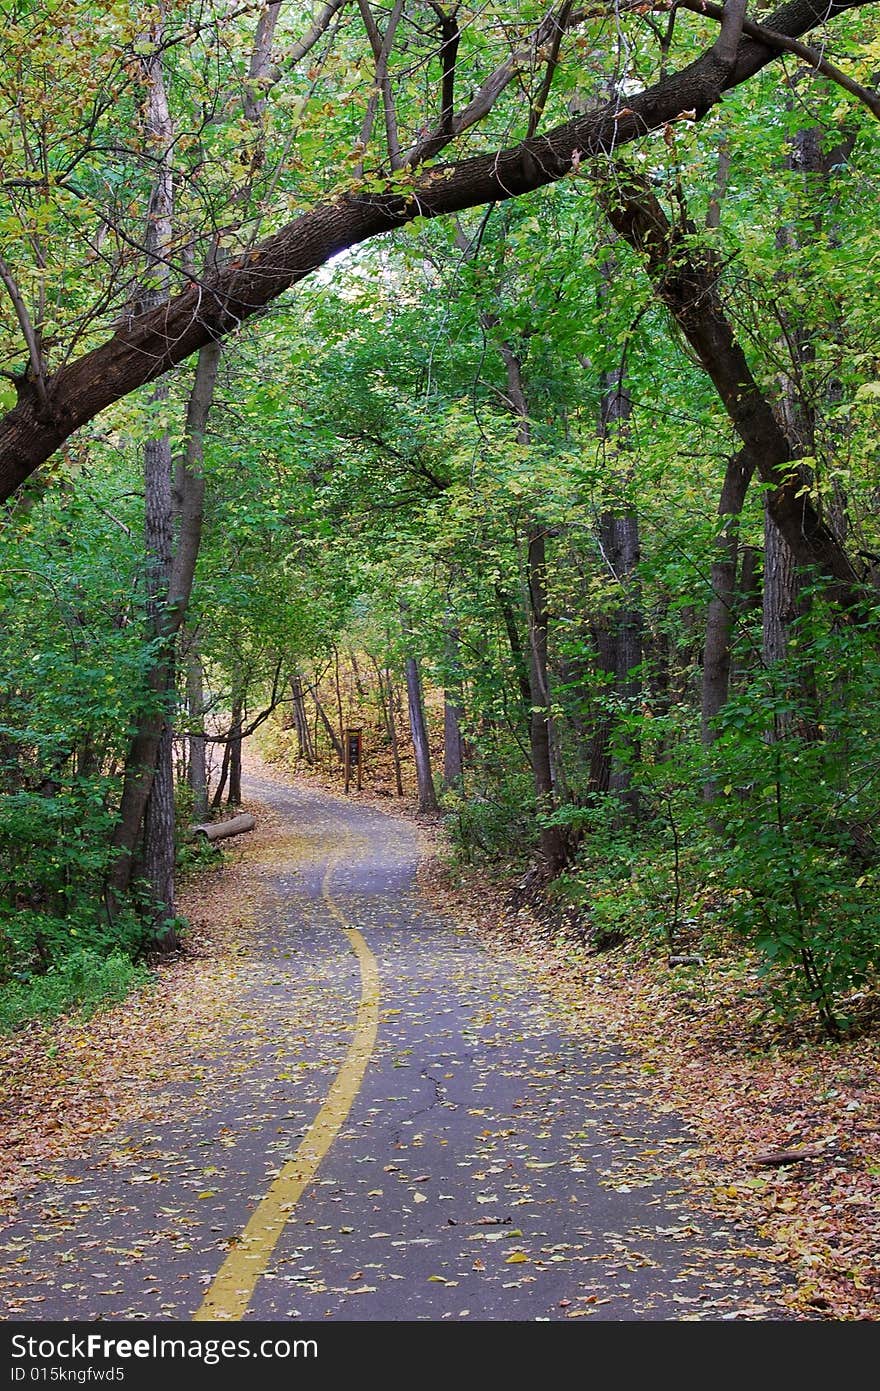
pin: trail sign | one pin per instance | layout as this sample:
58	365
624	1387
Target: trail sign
354	755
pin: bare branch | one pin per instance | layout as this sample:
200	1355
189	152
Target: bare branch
481	104
31	337
537	111
381	46
732	15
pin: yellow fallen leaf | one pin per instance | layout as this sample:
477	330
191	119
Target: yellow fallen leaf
516	1258
419	1198
208	1193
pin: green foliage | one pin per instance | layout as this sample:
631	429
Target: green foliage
494	825
82	983
799	807
198	854
54	855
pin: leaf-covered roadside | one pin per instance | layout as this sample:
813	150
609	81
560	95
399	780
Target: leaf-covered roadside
64	1083
691	1035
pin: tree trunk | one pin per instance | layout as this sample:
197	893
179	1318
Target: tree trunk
722	604
453	714
688	285
621	650
386	702
546	773
158	849
197	769
338	689
153	741
780	593
217	799
623	538
300	720
417	723
234	797
335	741
520	665
554	839
392	732
419	731
141	760
453	744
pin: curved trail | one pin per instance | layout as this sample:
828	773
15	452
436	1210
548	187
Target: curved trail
396	1128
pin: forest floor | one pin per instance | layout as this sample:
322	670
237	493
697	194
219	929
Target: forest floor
787	1125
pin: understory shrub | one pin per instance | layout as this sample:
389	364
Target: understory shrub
83	982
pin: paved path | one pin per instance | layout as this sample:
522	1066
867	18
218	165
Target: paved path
481	1163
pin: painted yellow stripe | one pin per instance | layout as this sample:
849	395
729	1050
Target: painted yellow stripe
233	1287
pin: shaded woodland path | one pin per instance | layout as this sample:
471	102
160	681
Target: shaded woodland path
489	1165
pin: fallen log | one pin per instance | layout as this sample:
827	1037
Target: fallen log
219	830
790	1156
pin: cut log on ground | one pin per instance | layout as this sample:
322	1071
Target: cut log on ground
219	830
792	1156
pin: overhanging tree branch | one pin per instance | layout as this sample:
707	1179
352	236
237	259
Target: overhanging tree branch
145	348
788	45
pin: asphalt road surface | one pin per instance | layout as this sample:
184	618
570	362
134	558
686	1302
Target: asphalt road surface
395	1128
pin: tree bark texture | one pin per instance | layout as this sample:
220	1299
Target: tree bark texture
152	740
158	847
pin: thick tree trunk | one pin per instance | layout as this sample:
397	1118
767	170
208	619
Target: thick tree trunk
780	591
141	760
153	740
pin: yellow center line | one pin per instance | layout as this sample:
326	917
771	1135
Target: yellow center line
232	1289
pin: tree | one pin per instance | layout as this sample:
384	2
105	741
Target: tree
53	403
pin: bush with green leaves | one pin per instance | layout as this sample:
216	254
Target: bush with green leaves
82	982
495	822
54	855
797	770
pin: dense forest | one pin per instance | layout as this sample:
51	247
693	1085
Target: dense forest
504	379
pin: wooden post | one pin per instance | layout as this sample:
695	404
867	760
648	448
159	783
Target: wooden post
354	755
